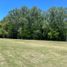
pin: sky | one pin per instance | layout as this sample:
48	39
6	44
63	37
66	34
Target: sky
7	5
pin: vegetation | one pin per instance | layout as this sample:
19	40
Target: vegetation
25	23
32	53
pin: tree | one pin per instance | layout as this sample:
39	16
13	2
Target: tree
34	23
56	23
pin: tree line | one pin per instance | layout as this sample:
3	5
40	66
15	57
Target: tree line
34	23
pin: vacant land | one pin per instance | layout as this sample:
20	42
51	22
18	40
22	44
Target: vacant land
31	53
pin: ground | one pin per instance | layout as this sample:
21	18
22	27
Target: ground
32	53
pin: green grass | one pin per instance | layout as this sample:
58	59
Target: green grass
31	53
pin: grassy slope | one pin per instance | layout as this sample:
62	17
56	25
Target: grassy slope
24	53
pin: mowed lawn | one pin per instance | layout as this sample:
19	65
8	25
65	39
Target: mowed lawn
32	53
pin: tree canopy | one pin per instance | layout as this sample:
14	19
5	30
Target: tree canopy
25	23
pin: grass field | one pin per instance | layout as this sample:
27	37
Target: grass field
31	53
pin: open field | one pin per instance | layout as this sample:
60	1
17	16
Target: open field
31	53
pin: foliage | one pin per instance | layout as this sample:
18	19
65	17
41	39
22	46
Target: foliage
34	23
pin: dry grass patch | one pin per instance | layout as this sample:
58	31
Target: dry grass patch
32	53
